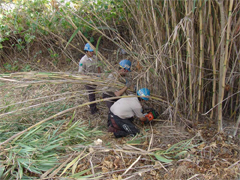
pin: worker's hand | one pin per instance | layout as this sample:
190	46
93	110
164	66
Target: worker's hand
146	121
128	83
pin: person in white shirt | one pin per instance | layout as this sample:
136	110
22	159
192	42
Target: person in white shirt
88	65
122	112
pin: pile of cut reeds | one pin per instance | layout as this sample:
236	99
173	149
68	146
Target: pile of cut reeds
45	132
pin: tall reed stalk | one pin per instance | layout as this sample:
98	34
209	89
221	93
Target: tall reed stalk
188	56
186	51
213	59
223	57
201	58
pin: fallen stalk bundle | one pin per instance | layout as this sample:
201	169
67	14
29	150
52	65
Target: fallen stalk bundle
58	142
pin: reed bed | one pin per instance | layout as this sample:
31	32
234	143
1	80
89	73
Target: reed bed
185	52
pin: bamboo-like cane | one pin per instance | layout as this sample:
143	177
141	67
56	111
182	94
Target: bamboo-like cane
192	54
226	58
201	59
220	89
170	53
212	57
223	59
177	63
171	58
188	5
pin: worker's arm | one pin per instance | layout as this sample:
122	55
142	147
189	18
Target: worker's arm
82	68
143	119
138	112
121	91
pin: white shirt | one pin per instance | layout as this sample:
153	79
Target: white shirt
127	108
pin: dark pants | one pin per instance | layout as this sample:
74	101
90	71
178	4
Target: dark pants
91	94
121	127
109	103
109	94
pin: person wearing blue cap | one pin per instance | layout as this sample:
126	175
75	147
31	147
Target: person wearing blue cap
122	112
88	65
109	91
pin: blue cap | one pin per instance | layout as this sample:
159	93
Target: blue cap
126	64
87	47
144	92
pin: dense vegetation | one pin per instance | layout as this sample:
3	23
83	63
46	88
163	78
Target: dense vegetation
186	52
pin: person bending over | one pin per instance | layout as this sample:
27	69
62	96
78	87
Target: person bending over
122	112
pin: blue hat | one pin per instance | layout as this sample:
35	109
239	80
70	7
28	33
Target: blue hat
126	64
87	47
144	92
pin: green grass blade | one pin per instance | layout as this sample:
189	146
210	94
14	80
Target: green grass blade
98	42
162	159
70	122
178	155
2	168
73	35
